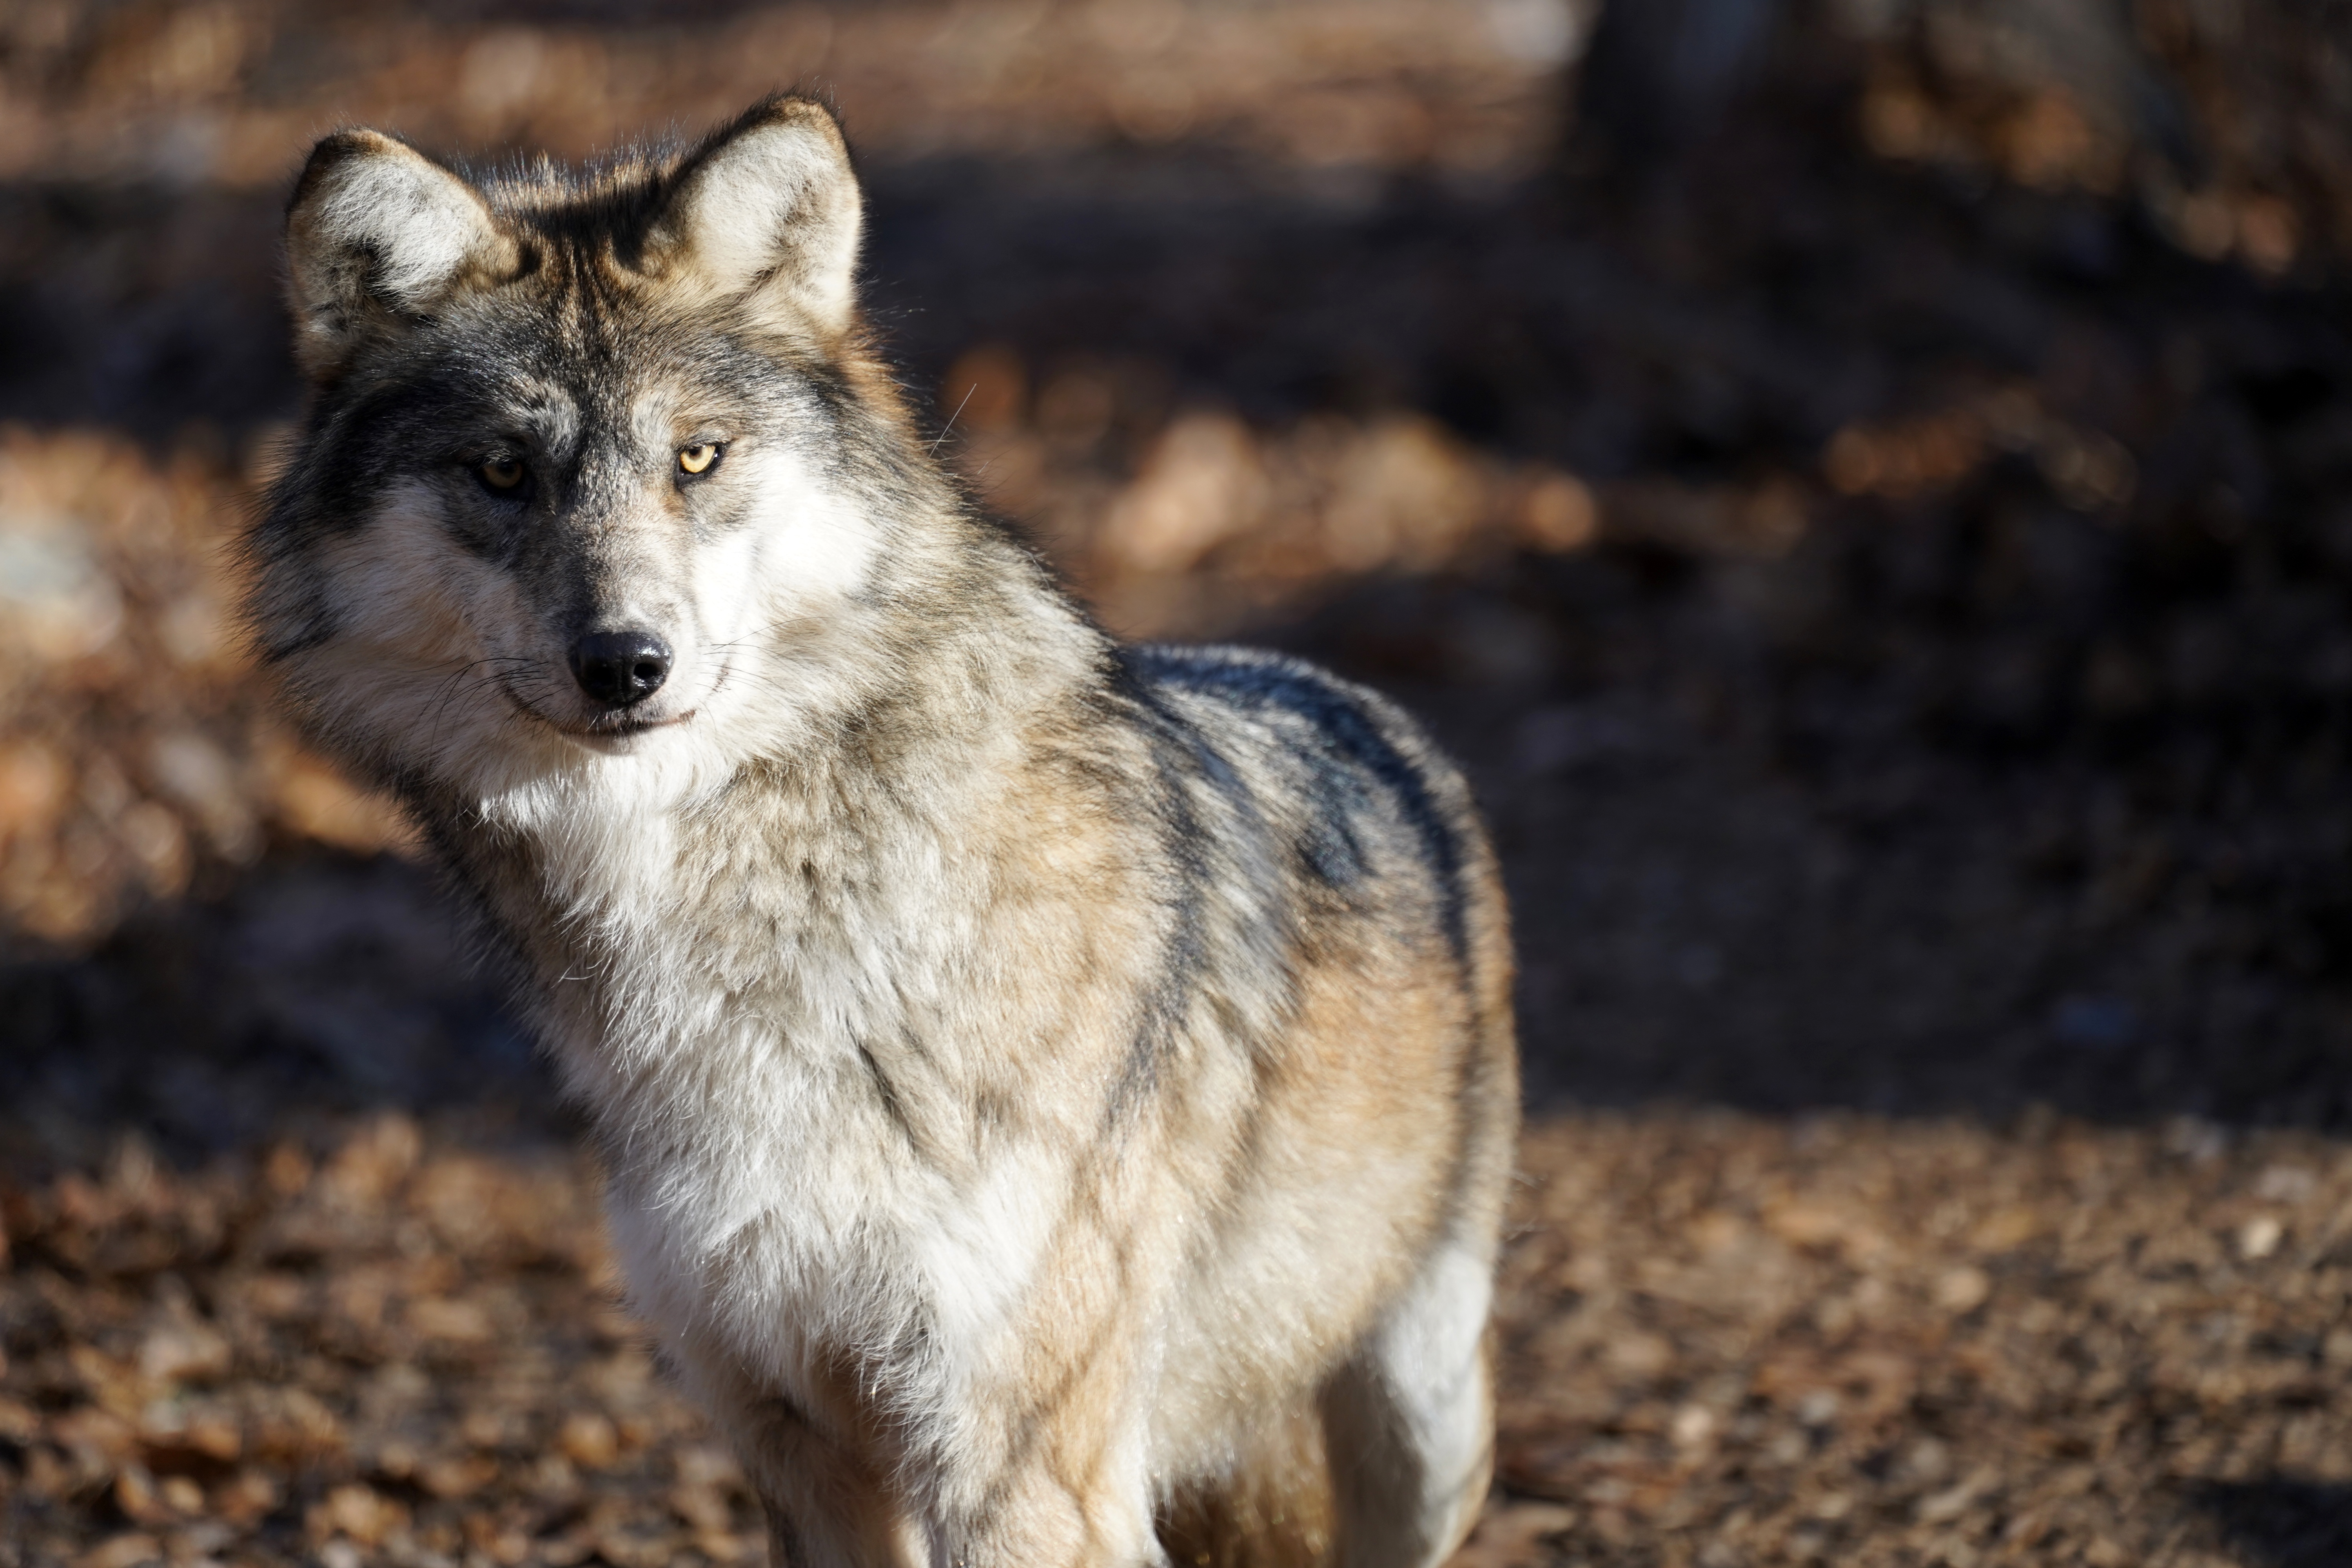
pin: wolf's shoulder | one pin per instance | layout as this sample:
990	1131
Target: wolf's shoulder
1338	770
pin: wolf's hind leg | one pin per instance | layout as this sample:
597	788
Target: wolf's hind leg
1410	1420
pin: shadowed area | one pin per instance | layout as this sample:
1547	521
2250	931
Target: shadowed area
2282	1522
1697	727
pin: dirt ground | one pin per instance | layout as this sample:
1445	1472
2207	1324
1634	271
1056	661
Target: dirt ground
1877	536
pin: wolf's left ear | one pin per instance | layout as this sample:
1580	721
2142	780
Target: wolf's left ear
767	209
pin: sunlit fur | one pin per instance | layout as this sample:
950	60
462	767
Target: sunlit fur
1056	1097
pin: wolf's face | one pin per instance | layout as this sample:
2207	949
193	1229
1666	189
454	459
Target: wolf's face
587	471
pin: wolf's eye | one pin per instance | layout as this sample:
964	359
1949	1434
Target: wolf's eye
697	458
503	473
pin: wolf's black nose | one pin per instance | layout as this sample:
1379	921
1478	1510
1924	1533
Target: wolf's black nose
618	668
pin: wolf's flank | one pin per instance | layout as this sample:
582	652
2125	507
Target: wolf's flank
1057	1096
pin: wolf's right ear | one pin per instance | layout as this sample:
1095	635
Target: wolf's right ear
375	231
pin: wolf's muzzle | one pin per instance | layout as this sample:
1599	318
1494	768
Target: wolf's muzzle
620	669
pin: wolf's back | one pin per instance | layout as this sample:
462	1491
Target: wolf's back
1332	784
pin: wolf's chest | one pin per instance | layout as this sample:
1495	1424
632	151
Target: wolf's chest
791	1160
787	1220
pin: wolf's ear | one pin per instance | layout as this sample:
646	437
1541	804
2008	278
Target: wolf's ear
376	229
767	209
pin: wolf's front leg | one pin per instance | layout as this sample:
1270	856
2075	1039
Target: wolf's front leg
828	1505
824	1513
1052	1474
1050	1515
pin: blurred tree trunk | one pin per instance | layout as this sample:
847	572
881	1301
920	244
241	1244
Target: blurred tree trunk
1659	72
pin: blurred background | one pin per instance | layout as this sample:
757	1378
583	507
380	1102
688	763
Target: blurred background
1863	484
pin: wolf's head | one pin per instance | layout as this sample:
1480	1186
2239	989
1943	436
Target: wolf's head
597	470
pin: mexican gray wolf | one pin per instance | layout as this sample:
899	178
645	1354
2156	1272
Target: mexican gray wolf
1057	1098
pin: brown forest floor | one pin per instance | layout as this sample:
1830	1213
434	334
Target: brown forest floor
1884	563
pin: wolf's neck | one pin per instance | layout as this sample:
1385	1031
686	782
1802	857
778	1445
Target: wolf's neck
814	897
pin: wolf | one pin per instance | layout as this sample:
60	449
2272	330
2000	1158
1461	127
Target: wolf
1055	1098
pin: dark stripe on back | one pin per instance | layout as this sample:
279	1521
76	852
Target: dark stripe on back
1356	745
1173	744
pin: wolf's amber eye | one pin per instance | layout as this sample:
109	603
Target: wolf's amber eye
696	458
502	473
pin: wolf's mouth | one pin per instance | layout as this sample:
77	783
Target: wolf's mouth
616	725
612	726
